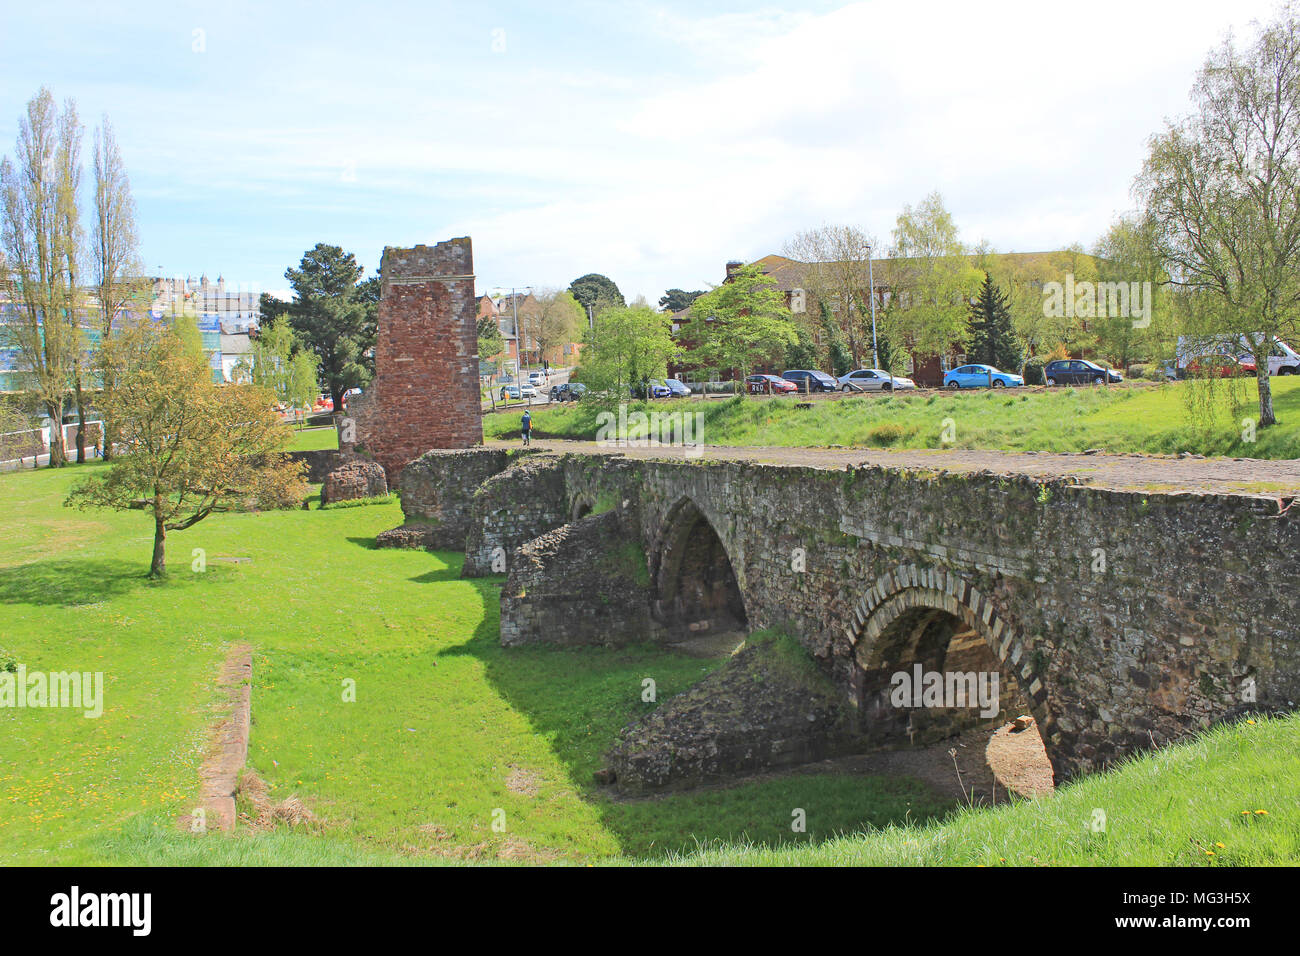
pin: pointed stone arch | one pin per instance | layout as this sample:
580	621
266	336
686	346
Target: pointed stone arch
693	583
909	593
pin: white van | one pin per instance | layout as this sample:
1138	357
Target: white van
1282	359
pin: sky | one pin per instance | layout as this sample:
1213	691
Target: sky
651	142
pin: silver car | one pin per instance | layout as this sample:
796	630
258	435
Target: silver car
873	380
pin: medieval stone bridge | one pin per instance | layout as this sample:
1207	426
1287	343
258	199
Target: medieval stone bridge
1120	619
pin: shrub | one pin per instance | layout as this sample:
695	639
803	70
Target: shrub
886	433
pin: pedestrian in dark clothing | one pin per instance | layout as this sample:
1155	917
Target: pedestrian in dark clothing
527	423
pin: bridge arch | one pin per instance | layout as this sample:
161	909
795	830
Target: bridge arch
935	619
581	506
694	587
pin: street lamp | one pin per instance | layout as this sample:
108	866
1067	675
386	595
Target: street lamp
871	282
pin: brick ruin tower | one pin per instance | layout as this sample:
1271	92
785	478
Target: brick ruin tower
425	393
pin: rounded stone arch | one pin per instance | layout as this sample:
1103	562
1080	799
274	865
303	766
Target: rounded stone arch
905	603
693	584
583	504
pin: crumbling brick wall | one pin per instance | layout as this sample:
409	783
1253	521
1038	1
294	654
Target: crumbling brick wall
425	394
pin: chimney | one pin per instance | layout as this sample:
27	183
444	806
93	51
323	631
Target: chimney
734	266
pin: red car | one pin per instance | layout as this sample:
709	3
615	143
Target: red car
767	384
1222	366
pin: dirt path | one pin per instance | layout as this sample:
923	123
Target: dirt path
228	747
1151	473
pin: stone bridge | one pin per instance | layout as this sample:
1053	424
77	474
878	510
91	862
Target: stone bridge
1120	619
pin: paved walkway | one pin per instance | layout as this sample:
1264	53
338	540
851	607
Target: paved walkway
1155	474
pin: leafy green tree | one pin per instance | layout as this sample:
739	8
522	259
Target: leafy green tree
270	309
278	364
627	345
1222	190
674	300
335	314
742	322
191	448
555	320
595	292
992	341
933	280
490	340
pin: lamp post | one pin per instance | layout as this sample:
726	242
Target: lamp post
871	292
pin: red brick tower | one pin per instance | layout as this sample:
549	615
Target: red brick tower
425	393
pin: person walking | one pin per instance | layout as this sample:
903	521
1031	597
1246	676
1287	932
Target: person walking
527	423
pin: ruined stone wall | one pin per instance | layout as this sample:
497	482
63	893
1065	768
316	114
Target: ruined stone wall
437	497
582	584
512	508
425	393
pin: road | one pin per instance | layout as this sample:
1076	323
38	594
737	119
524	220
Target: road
1153	474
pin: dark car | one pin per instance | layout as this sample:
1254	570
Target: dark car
810	380
765	383
1079	372
677	388
654	388
568	392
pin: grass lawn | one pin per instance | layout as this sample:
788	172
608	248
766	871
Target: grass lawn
447	726
1152	420
314	439
449	731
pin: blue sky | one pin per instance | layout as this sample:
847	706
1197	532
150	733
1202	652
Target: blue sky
648	141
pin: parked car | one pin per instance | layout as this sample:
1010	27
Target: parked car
515	390
873	380
980	376
537	378
654	388
811	380
1221	366
1079	372
765	382
677	388
567	392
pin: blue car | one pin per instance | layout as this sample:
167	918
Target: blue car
977	376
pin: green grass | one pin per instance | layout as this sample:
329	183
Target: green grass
1152	420
1190	805
314	439
448	727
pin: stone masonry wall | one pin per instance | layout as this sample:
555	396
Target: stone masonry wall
425	393
512	508
437	497
1126	619
583	583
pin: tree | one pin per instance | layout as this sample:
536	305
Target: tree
335	314
674	300
742	322
838	275
270	309
933	280
627	345
1222	190
114	255
1126	255
992	342
555	320
278	363
490	340
41	241
595	292
190	448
